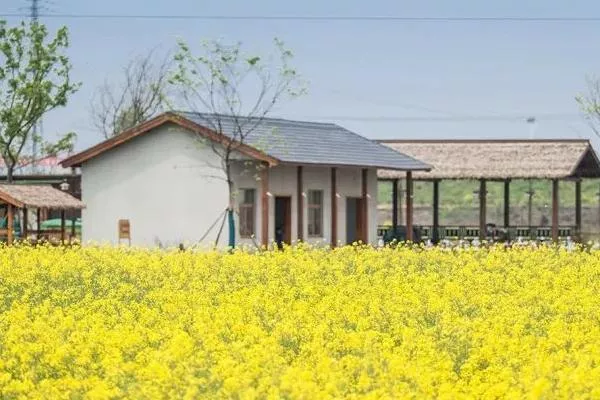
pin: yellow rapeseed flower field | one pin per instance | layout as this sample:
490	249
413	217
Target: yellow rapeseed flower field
304	323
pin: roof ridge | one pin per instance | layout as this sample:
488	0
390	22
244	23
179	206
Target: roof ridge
261	118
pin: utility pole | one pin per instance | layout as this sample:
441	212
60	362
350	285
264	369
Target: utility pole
34	11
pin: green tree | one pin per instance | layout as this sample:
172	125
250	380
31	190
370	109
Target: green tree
229	88
34	79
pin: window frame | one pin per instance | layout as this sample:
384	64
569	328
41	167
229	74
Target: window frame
314	206
243	207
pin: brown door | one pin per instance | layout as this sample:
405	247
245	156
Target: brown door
354	220
283	220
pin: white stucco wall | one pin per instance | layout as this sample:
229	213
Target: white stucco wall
163	183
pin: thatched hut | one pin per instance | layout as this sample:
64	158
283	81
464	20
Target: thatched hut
25	198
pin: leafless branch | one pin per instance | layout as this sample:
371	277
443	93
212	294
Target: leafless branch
139	96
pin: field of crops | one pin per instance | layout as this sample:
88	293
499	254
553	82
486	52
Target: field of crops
353	323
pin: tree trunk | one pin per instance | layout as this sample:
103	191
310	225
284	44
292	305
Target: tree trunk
10	169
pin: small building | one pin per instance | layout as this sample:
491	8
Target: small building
162	183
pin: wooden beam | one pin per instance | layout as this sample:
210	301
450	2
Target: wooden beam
38	214
482	209
9	223
578	208
409	206
300	204
555	209
395	206
25	223
365	207
265	206
435	235
62	227
507	203
334	217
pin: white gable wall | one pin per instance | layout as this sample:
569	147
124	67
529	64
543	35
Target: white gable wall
161	183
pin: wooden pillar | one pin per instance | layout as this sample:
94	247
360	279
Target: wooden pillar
409	207
73	230
578	209
507	203
265	206
38	215
300	190
435	234
482	209
395	206
25	223
62	227
365	207
334	216
555	208
9	223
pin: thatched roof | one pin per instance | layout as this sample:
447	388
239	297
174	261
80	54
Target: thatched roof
499	159
38	196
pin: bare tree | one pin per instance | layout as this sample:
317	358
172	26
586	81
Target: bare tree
589	103
139	96
232	93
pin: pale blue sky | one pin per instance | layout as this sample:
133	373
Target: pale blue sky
367	68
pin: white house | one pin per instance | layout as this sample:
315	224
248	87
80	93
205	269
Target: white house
315	182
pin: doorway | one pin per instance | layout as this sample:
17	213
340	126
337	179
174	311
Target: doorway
354	220
283	221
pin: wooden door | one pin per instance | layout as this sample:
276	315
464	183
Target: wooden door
283	220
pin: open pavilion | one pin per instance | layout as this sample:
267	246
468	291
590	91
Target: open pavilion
493	161
25	198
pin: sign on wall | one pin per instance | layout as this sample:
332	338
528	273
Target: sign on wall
124	230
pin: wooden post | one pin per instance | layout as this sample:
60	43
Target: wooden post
334	217
482	209
578	209
365	206
9	223
300	203
62	227
555	207
25	223
507	203
265	206
38	215
395	206
72	230
435	235
409	207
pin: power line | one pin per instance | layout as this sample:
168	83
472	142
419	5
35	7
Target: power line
464	118
340	18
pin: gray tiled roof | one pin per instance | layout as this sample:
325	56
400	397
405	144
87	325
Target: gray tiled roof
311	142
